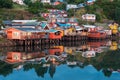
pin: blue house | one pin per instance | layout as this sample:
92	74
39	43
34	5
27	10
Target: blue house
63	25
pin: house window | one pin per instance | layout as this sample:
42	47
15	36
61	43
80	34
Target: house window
16	34
57	33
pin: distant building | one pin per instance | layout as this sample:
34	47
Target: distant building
71	6
81	5
90	2
19	2
89	17
56	3
46	1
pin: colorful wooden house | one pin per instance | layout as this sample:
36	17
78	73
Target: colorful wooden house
72	21
20	2
45	15
71	6
23	33
22	21
81	31
88	54
97	35
54	34
52	10
114	28
46	1
90	2
93	32
56	3
61	30
89	17
45	26
63	25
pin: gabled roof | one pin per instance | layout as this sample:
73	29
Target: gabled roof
43	24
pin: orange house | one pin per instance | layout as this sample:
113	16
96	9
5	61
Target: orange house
57	3
22	33
55	34
13	33
13	57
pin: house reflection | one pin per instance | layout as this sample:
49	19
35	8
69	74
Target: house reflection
58	53
47	59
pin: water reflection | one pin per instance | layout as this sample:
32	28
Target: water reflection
47	61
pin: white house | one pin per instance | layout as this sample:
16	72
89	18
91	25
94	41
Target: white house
46	1
90	2
88	54
89	17
19	2
71	6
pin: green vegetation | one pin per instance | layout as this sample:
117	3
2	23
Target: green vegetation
75	1
10	14
6	4
19	7
104	10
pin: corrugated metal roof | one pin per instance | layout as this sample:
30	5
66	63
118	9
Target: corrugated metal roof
63	25
32	23
52	30
24	20
29	29
89	26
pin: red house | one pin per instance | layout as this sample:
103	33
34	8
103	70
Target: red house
57	3
45	15
97	35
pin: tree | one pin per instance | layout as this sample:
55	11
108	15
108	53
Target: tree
74	1
1	24
117	14
6	4
35	8
70	12
27	2
61	6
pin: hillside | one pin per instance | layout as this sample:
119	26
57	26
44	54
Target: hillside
9	14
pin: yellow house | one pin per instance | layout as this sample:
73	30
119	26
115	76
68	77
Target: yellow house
114	28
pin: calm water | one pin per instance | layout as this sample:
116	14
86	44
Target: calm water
99	60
